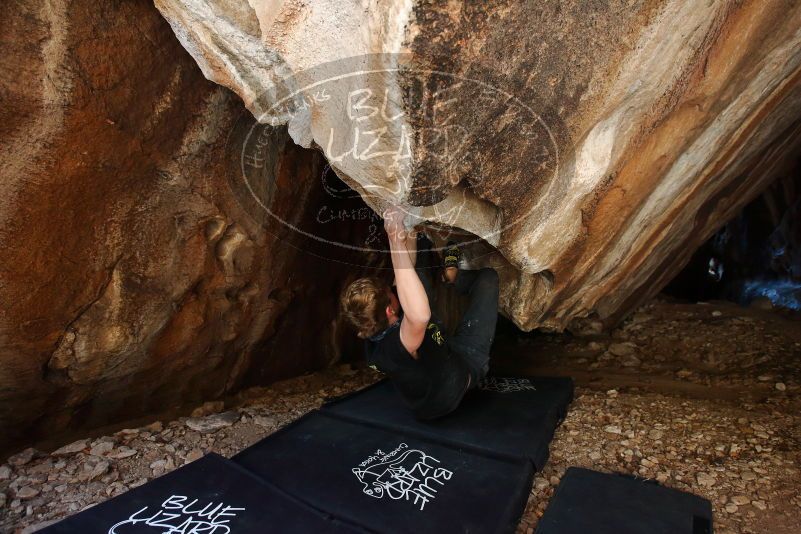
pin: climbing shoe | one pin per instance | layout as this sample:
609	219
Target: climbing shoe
452	255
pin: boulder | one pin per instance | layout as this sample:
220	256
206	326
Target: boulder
212	423
583	149
22	457
71	448
135	277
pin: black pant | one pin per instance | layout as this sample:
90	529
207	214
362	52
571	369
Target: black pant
473	337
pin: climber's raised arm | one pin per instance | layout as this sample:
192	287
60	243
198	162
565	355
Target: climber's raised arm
411	294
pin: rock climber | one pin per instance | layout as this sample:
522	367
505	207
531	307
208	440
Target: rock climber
431	371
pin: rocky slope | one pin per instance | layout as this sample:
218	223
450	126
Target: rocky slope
135	278
589	146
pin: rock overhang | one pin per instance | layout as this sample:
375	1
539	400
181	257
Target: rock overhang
589	147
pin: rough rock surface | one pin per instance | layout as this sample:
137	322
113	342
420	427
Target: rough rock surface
592	146
133	279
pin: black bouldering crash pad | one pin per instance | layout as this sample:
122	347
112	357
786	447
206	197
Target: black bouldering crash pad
589	501
391	480
210	496
510	416
364	463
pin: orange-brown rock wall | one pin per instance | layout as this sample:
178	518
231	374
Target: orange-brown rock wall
133	279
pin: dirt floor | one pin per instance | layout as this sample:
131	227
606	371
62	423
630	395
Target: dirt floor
701	397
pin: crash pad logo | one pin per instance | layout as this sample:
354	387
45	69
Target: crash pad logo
403	473
180	514
506	385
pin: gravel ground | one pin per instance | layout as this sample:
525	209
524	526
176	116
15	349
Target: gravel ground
37	488
745	461
701	397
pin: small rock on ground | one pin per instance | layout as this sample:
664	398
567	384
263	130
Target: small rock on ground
212	423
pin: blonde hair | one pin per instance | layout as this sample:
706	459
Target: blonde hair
363	304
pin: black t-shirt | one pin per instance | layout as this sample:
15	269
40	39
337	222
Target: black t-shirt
434	383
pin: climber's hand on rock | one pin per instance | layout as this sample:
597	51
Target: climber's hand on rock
393	222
